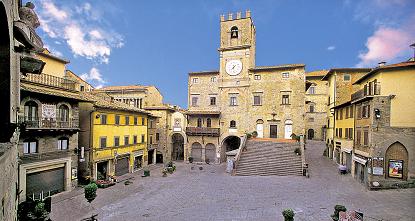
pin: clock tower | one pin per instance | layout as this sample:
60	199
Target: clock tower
237	57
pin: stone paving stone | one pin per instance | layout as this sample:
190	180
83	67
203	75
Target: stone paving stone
211	194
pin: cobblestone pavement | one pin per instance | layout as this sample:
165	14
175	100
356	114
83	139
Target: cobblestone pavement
211	194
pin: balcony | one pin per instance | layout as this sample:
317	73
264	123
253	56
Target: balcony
34	157
369	90
49	123
202	131
51	81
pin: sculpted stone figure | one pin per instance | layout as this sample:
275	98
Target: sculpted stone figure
28	15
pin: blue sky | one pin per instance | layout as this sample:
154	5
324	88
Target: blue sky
159	42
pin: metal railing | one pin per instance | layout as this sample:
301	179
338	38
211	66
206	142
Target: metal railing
50	80
206	131
48	123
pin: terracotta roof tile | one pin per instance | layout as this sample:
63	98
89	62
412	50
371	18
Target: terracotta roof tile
52	92
404	64
105	101
316	73
126	87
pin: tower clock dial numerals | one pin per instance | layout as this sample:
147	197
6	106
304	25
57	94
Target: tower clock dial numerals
233	67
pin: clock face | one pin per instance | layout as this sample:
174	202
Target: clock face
233	67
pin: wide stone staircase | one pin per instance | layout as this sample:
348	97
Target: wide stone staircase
265	158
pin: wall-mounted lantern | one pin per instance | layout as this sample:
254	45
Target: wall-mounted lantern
377	113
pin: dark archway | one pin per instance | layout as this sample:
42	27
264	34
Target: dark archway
396	161
310	134
178	147
5	75
231	143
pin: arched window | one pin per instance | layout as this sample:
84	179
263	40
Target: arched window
63	143
30	111
232	124
199	122
208	122
63	113
234	32
30	146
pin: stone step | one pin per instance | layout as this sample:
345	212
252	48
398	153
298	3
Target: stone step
269	162
271	148
268	153
248	152
269	156
279	173
269	168
271	145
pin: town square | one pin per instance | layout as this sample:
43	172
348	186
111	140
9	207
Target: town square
207	110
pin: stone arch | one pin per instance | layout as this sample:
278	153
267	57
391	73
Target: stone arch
5	73
288	129
260	128
196	151
231	143
396	158
210	152
177	151
310	134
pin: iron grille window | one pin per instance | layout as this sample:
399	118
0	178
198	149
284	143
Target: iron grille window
285	99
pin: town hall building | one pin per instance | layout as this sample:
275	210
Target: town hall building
240	97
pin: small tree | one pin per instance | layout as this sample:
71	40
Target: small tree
288	215
91	192
337	210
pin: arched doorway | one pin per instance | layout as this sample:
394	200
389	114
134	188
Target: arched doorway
288	129
196	152
310	134
260	128
5	74
210	153
178	147
231	143
396	161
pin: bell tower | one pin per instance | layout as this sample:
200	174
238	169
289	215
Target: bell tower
237	42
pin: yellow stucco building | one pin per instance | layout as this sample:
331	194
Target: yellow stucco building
114	136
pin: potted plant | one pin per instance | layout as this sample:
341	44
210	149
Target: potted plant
254	134
288	215
337	210
91	192
190	159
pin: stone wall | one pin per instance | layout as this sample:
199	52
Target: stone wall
317	120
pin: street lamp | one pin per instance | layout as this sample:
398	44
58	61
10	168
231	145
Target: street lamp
413	47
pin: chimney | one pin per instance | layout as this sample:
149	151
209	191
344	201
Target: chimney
230	17
238	15
222	17
248	13
381	64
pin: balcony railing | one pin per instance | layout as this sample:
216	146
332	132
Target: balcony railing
27	158
205	131
49	123
51	80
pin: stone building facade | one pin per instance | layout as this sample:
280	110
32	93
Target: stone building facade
316	106
384	153
240	97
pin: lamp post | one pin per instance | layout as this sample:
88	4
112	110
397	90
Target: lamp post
413	47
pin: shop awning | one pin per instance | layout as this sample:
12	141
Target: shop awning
359	160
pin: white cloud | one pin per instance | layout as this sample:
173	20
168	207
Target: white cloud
331	48
79	28
93	76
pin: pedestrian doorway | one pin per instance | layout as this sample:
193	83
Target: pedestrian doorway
150	156
102	169
288	129
260	128
273	131
178	147
310	134
138	162
159	157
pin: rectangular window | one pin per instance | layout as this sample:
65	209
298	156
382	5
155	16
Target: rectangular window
143	121
117	119
337	132
359	112
351	133
157	136
135	120
63	144
365	138
151	139
257	77
142	138
312	90
103	142
346	77
351	112
126	140
285	99
311	108
30	147
135	139
359	137
257	100
213	79
233	100
103	119
341	114
340	132
285	75
82	88
116	141
213	101
127	120
347	113
195	101
195	80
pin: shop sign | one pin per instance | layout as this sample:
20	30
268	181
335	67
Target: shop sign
377	164
359	160
395	168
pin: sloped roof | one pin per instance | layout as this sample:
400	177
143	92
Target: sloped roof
201	112
204	72
283	66
319	73
105	101
124	87
52	92
405	64
331	71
